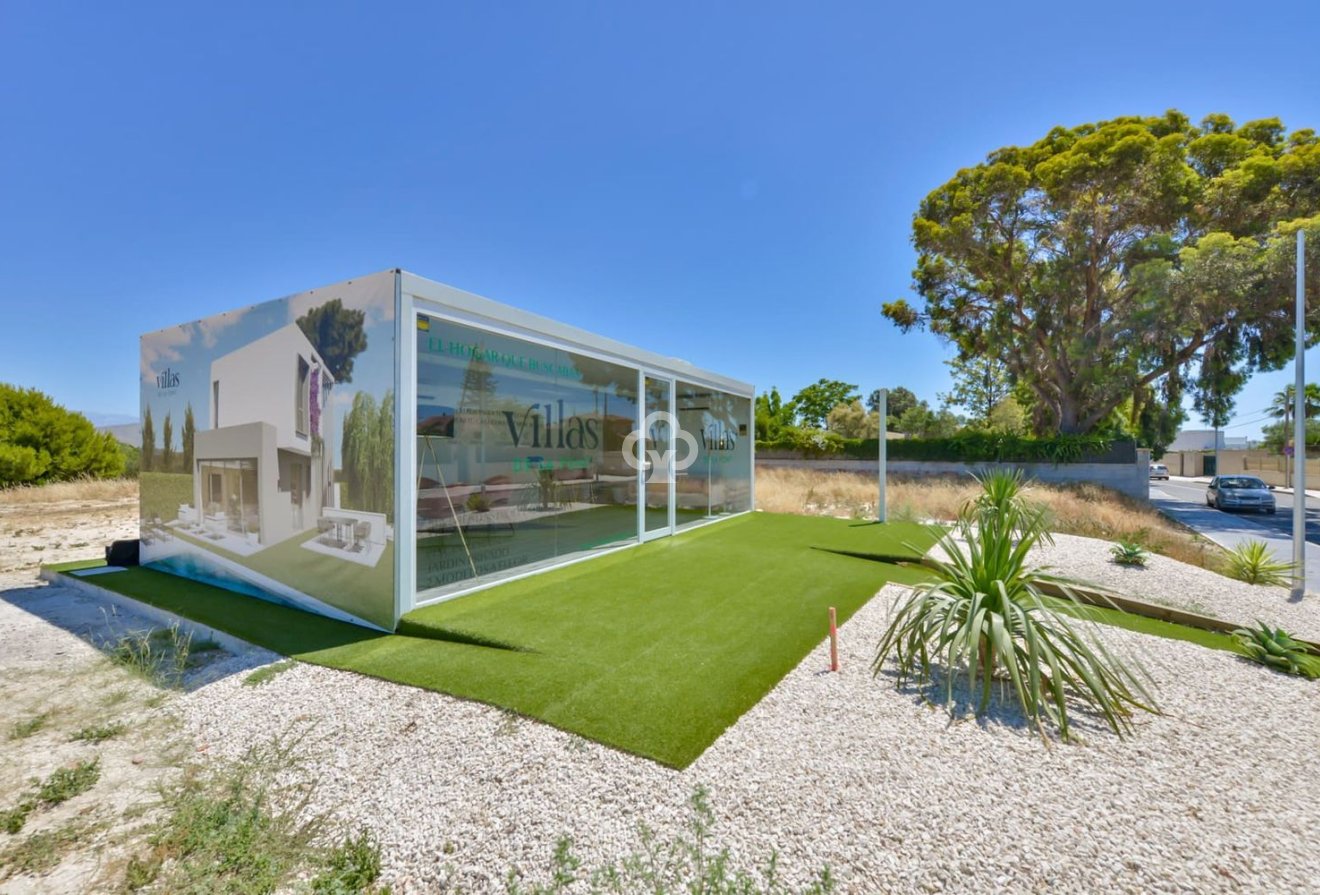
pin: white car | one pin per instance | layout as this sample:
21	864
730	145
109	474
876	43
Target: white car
1240	492
1159	471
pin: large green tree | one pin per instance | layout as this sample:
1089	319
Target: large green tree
167	444
338	334
148	459
367	454
189	437
815	402
773	415
1106	259
854	421
897	402
42	442
980	383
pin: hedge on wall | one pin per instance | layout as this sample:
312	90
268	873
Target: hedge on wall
966	447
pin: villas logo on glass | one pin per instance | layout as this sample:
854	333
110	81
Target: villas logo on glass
663	429
167	379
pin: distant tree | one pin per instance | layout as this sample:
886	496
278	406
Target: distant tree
148	442
773	415
1106	257
815	402
189	437
42	442
1157	415
132	460
367	454
853	421
979	385
896	404
1008	417
1274	436
1281	406
338	334
922	422
167	444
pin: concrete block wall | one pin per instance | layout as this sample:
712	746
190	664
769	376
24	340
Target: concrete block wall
1132	479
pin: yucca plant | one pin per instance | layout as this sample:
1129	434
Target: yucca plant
1129	553
985	615
1252	562
1278	649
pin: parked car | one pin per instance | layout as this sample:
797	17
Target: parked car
1159	471
1240	492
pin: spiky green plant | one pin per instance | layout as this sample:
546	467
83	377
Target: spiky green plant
1254	563
1129	553
985	615
1278	649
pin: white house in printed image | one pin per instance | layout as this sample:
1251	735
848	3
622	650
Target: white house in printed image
262	467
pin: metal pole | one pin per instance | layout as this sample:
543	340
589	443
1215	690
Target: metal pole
1299	431
881	507
1217	469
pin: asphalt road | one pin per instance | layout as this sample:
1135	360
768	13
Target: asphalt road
1280	523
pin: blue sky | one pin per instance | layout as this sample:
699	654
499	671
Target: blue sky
732	184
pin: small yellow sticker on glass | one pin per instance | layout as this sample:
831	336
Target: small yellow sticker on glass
424	323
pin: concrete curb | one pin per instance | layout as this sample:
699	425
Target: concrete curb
196	630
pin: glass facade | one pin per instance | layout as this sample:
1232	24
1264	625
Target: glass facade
719	482
528	454
229	494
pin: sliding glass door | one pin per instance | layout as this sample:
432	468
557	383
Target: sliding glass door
656	453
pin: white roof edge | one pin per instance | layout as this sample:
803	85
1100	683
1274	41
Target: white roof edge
500	313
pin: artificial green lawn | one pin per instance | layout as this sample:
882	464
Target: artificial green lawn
654	650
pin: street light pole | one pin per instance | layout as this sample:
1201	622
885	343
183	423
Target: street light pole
881	509
1299	430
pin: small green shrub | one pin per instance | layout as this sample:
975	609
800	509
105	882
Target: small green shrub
1252	562
66	783
351	867
98	733
1129	553
985	614
56	789
267	672
688	864
1277	649
13	819
24	729
160	655
41	852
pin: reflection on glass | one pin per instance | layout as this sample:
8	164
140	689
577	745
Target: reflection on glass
519	454
720	481
229	495
659	444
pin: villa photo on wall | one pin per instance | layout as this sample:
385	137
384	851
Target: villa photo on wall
268	450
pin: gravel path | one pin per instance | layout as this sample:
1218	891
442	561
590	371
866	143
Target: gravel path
1177	584
1219	794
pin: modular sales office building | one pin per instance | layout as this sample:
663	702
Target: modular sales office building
369	447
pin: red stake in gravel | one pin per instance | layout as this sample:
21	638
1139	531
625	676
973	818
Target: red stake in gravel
834	642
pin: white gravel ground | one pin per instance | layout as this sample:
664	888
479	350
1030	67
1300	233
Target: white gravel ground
1177	584
1220	794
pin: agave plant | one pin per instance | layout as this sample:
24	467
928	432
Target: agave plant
1129	553
1252	562
1276	648
986	615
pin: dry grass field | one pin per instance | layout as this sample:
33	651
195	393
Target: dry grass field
1088	510
64	521
62	492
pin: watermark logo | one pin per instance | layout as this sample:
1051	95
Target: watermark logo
660	424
